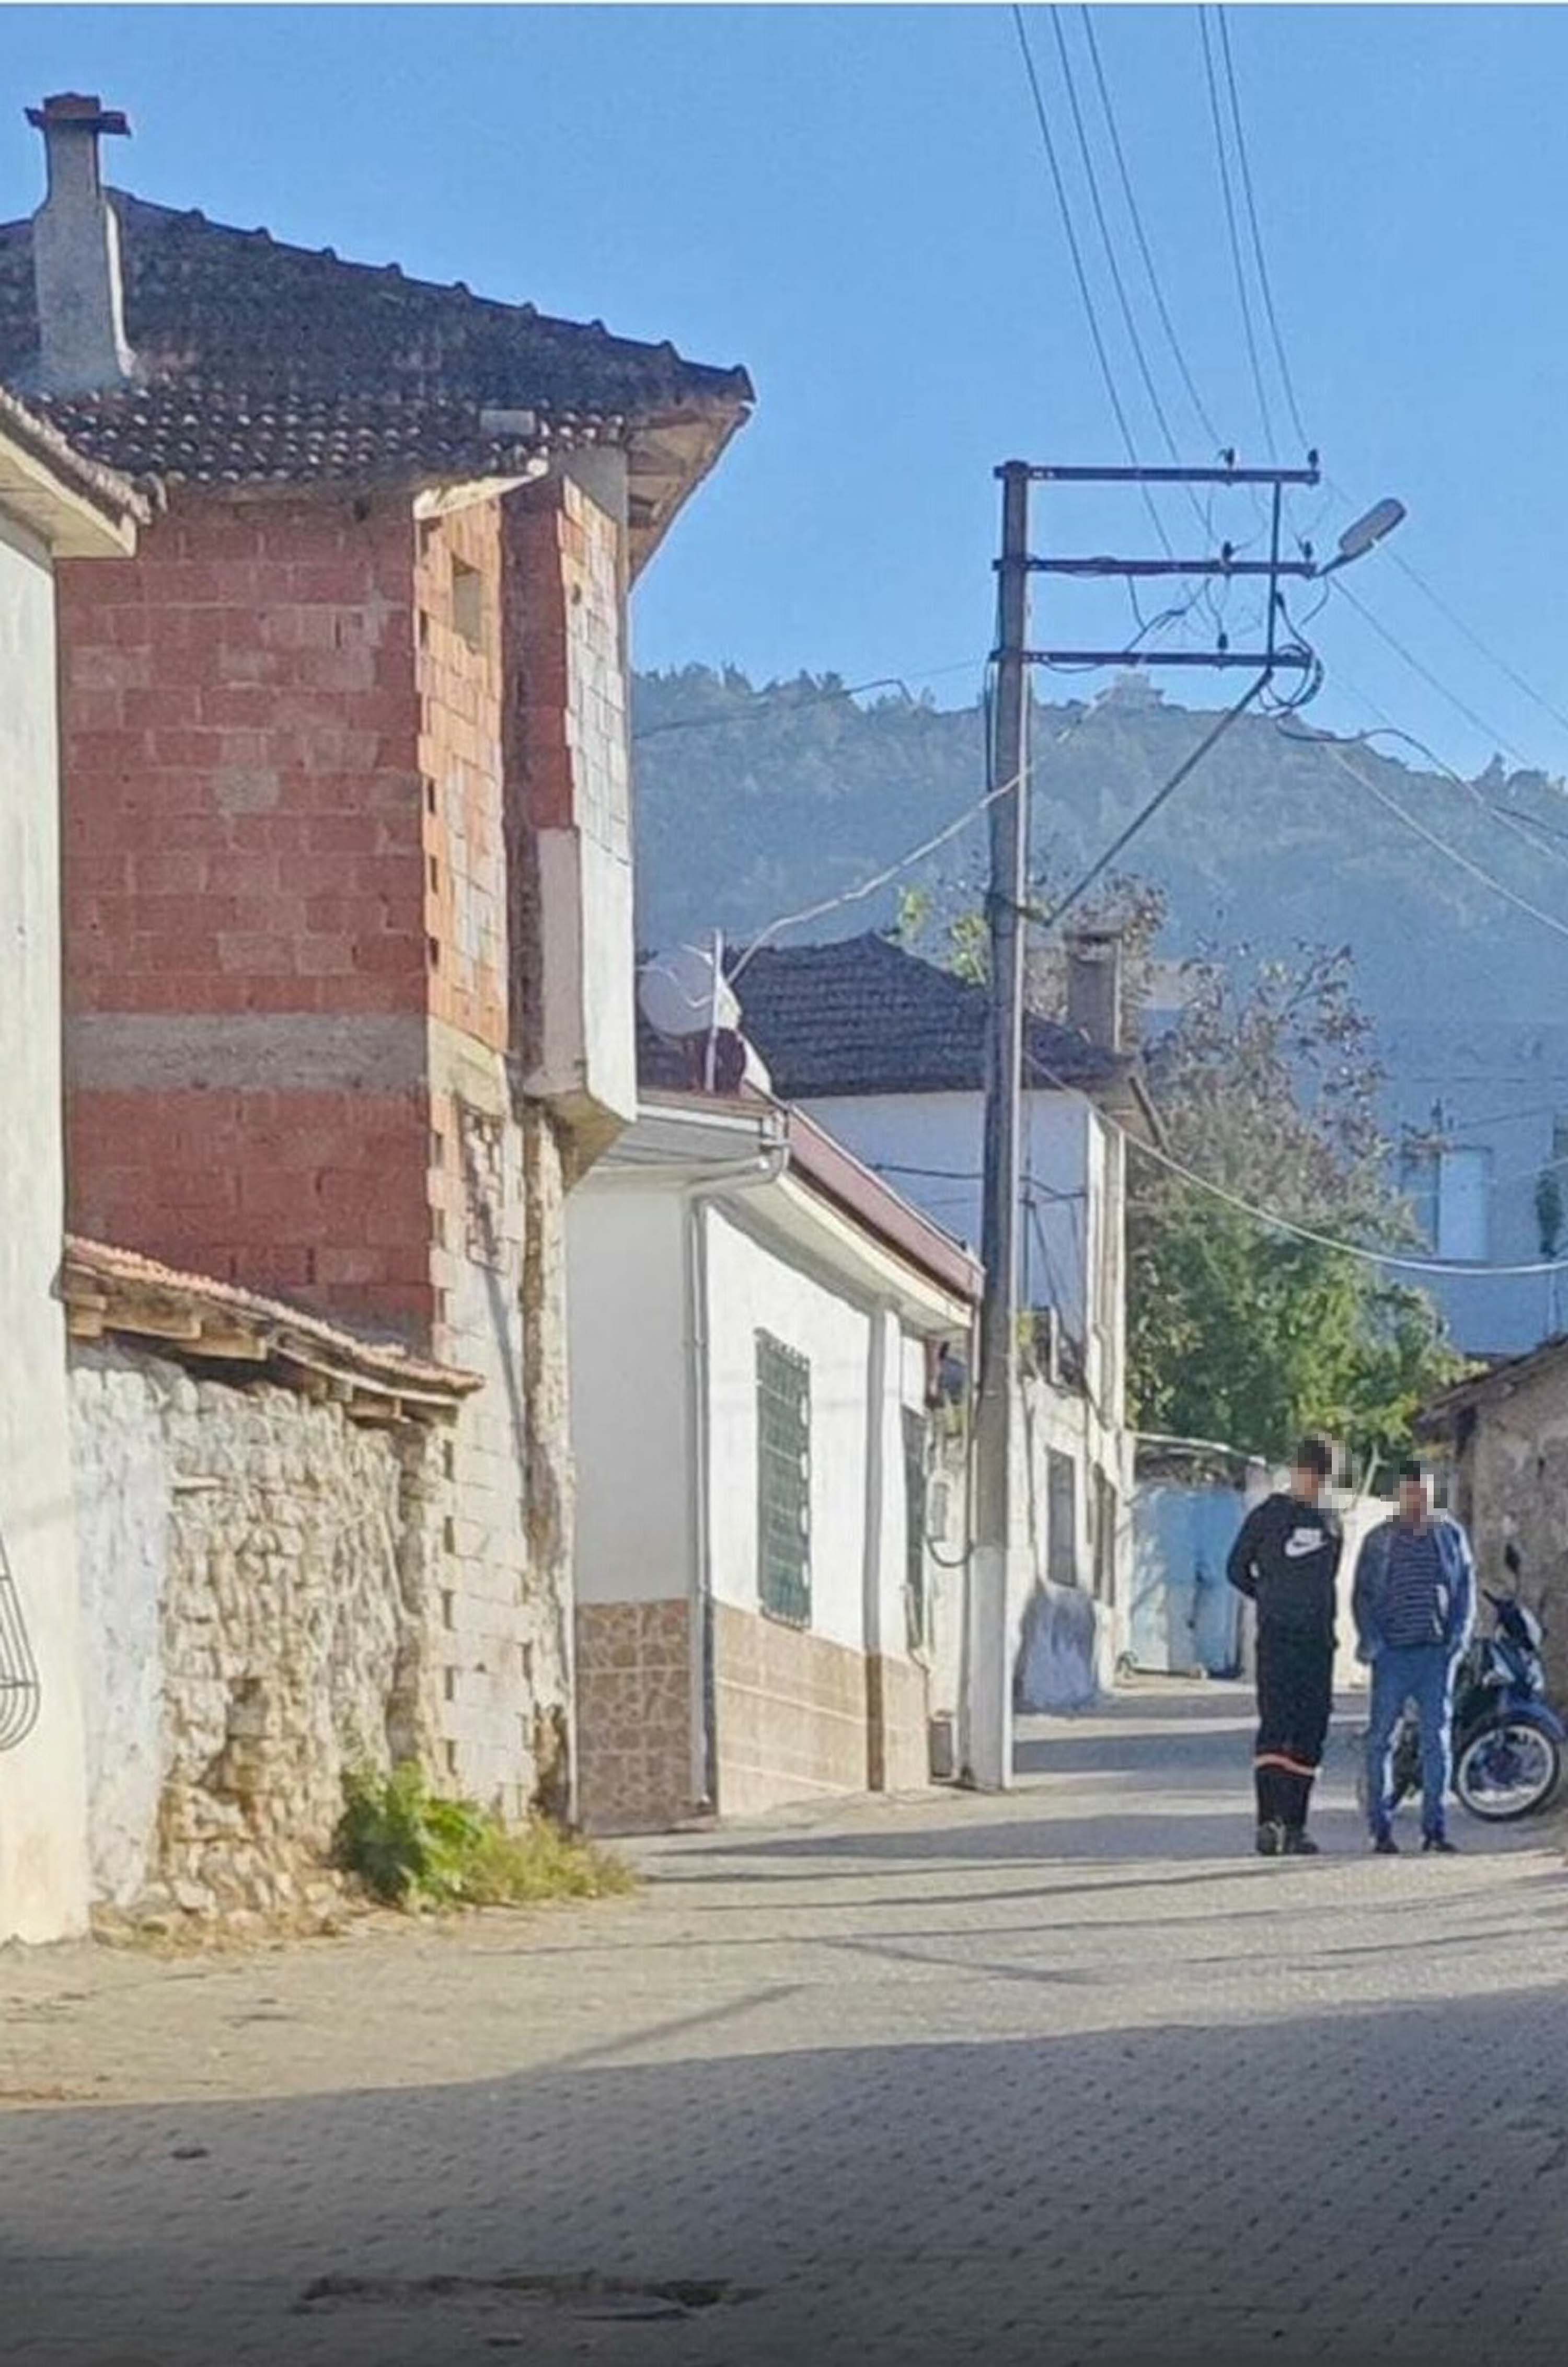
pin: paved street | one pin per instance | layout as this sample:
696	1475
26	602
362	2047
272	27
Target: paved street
1066	2078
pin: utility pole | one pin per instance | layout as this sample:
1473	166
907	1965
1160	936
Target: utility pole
986	1736
988	1743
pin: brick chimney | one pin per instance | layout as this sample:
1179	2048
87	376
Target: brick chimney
82	345
1094	986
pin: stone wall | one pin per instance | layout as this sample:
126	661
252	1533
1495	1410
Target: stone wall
264	1600
634	1713
1514	1487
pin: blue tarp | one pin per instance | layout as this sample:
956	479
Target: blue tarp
1183	1614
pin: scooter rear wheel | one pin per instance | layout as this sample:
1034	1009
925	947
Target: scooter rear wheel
1508	1770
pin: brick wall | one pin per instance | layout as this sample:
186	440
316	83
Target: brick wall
293	952
459	671
244	901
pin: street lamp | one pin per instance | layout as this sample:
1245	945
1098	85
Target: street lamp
1366	534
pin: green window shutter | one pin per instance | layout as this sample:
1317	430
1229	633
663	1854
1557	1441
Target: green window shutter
783	1481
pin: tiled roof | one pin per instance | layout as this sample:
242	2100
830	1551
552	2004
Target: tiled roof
110	492
118	1290
862	1016
263	361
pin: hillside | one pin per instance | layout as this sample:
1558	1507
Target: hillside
757	801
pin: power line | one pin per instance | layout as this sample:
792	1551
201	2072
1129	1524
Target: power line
878	879
1465	632
1268	1216
1516	824
1251	201
1510	672
1334	751
1147	812
1434	682
1234	232
1139	232
889	872
1080	271
882	878
1136	342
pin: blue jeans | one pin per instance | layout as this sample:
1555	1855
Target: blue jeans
1421	1673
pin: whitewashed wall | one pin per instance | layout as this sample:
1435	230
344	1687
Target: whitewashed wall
751	1288
628	1330
43	1855
943	1134
124	1502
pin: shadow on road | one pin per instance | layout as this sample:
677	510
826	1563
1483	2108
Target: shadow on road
1112	2197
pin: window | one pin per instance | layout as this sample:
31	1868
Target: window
468	604
1448	1191
915	1527
783	1481
1062	1519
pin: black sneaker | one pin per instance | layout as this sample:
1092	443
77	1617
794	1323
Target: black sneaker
1298	1843
1438	1845
1385	1845
1270	1839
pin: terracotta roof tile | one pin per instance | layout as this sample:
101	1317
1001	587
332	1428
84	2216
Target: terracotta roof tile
263	361
863	1017
119	1274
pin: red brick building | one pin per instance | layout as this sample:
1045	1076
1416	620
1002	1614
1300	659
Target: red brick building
348	933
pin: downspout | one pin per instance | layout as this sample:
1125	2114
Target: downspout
750	1176
871	1638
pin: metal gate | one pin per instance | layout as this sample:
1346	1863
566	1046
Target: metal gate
20	1689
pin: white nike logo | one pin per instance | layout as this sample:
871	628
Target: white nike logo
1301	1542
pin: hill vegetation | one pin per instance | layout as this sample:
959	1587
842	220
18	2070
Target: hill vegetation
756	801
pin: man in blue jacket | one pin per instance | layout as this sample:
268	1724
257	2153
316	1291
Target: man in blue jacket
1414	1602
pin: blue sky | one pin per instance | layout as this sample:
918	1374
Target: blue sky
854	202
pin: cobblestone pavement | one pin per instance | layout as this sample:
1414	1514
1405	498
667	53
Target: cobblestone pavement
1064	2077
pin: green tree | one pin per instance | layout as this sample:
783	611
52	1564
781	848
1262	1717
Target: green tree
1268	1087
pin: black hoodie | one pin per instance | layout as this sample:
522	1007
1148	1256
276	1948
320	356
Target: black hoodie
1286	1559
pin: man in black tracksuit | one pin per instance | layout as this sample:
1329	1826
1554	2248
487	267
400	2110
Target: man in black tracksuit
1286	1559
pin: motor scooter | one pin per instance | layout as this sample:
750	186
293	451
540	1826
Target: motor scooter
1507	1739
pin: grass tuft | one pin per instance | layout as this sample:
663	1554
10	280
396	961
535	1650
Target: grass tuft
412	1848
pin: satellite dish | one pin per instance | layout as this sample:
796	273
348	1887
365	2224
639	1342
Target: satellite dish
676	993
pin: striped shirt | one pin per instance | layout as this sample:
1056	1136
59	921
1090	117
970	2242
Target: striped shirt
1415	1605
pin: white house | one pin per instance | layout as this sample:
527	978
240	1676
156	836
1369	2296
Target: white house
770	1516
52	505
889	1052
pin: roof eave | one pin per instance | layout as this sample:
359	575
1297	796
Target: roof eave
194	1318
78	508
676	453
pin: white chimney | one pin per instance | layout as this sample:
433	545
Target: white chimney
1094	986
81	311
